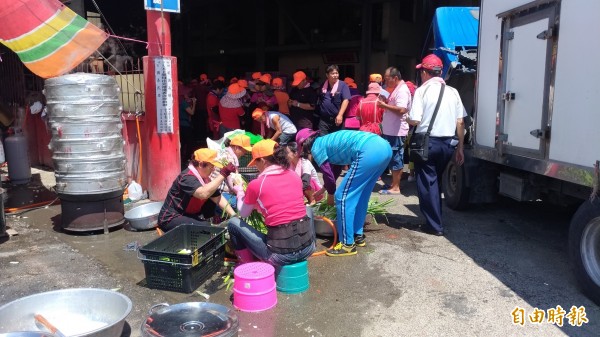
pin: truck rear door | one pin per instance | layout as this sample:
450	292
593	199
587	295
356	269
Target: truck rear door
524	97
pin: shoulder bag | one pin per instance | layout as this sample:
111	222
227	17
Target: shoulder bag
419	142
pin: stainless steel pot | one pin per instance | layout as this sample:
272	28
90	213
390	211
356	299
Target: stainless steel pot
322	228
190	319
27	334
144	216
75	312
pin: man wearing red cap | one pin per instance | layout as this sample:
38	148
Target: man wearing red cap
448	122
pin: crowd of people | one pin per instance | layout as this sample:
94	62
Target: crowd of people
329	125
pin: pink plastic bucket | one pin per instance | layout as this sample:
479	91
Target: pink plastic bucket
254	287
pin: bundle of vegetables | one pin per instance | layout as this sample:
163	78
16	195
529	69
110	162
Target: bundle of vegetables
322	209
373	208
378	208
257	221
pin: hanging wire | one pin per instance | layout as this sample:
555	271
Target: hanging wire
109	26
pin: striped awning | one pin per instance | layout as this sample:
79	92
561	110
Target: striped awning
49	38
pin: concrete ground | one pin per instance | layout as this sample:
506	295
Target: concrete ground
493	259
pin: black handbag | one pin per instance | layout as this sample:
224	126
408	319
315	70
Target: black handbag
419	142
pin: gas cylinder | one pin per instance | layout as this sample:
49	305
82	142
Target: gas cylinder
17	157
2	159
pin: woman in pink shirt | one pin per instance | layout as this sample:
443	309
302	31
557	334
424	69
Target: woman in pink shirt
277	194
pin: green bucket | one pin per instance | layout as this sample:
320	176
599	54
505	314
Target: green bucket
293	278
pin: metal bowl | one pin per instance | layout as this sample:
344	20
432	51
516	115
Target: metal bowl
144	216
323	228
27	334
74	312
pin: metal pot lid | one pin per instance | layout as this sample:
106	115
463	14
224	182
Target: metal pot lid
190	319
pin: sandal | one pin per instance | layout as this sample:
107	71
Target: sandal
388	192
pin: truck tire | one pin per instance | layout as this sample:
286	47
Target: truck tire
456	192
584	247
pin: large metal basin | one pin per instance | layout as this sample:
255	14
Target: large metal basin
75	312
144	216
27	334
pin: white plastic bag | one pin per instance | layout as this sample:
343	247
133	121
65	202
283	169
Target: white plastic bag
135	191
218	144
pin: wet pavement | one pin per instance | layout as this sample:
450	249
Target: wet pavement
494	258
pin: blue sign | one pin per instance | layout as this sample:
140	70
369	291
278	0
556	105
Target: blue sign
162	5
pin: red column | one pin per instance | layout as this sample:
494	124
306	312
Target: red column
161	150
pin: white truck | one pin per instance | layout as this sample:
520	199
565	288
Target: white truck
536	117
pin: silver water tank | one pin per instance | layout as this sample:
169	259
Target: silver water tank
87	147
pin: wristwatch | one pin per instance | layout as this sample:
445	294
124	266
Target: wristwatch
298	104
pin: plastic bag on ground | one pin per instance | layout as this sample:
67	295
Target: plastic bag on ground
135	191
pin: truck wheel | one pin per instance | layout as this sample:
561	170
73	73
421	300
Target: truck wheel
584	247
456	192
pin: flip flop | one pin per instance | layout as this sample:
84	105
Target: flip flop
388	192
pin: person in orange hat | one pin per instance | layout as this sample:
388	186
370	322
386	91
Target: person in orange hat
303	100
256	75
243	83
263	93
231	109
193	196
235	147
290	236
281	96
263	97
284	129
377	78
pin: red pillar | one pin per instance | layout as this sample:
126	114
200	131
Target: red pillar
161	150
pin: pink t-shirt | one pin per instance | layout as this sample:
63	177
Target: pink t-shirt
278	196
392	124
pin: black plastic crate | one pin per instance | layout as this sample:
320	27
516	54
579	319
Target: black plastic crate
200	240
245	160
180	277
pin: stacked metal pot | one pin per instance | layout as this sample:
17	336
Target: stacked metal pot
87	149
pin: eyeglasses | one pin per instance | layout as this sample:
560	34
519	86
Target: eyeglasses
260	84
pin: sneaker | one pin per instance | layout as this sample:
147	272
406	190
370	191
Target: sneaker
411	179
341	250
360	240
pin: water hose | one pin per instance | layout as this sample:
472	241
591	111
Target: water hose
330	223
140	164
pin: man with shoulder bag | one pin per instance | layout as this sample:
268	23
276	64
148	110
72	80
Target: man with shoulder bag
437	113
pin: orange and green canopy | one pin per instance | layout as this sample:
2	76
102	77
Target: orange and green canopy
49	38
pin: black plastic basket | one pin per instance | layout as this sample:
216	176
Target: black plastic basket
245	160
249	173
200	240
183	278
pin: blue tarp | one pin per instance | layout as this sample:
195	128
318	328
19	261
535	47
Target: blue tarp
454	28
